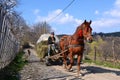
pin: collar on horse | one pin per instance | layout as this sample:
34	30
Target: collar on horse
81	38
76	45
72	46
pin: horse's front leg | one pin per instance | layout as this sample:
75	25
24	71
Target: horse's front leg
71	61
78	64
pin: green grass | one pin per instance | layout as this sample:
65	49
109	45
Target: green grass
87	60
108	64
11	71
103	63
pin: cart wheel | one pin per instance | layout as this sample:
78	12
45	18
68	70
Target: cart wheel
47	61
60	61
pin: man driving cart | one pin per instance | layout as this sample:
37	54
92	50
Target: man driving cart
51	43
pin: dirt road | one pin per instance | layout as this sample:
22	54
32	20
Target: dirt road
36	70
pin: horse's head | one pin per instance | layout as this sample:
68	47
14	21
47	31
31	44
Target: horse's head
85	31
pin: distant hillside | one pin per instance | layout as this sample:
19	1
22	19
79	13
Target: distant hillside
114	34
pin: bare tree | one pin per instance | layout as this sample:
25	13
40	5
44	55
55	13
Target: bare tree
106	50
110	49
17	24
32	34
41	28
7	12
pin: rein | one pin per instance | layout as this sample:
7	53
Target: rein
72	46
75	45
81	38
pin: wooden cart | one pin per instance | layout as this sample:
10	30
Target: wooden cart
54	58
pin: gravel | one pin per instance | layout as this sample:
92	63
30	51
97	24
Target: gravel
36	70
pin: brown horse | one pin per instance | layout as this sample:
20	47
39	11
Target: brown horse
75	44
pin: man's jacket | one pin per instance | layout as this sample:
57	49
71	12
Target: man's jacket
51	40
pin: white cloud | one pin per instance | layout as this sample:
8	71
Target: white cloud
36	11
117	3
63	18
115	11
96	12
110	19
106	22
49	17
67	18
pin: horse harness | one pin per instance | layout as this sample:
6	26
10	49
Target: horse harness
69	45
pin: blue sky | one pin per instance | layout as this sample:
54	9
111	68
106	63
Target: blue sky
105	14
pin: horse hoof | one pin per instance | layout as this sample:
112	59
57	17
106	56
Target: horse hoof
79	75
69	70
64	66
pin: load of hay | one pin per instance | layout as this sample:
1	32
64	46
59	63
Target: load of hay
42	49
42	46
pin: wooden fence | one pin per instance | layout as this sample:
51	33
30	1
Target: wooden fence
9	46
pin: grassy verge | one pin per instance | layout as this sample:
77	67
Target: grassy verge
104	63
11	71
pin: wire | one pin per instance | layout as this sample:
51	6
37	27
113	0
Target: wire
61	11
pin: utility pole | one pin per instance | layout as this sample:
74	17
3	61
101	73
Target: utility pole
95	53
113	50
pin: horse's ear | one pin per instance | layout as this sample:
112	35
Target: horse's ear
90	22
85	21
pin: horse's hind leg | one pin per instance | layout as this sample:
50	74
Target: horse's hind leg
64	60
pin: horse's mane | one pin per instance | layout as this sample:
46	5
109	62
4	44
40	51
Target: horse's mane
82	26
79	27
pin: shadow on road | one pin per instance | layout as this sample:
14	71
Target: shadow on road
63	78
94	70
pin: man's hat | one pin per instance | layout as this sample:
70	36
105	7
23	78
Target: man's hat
52	33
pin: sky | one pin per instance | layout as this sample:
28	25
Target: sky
105	14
